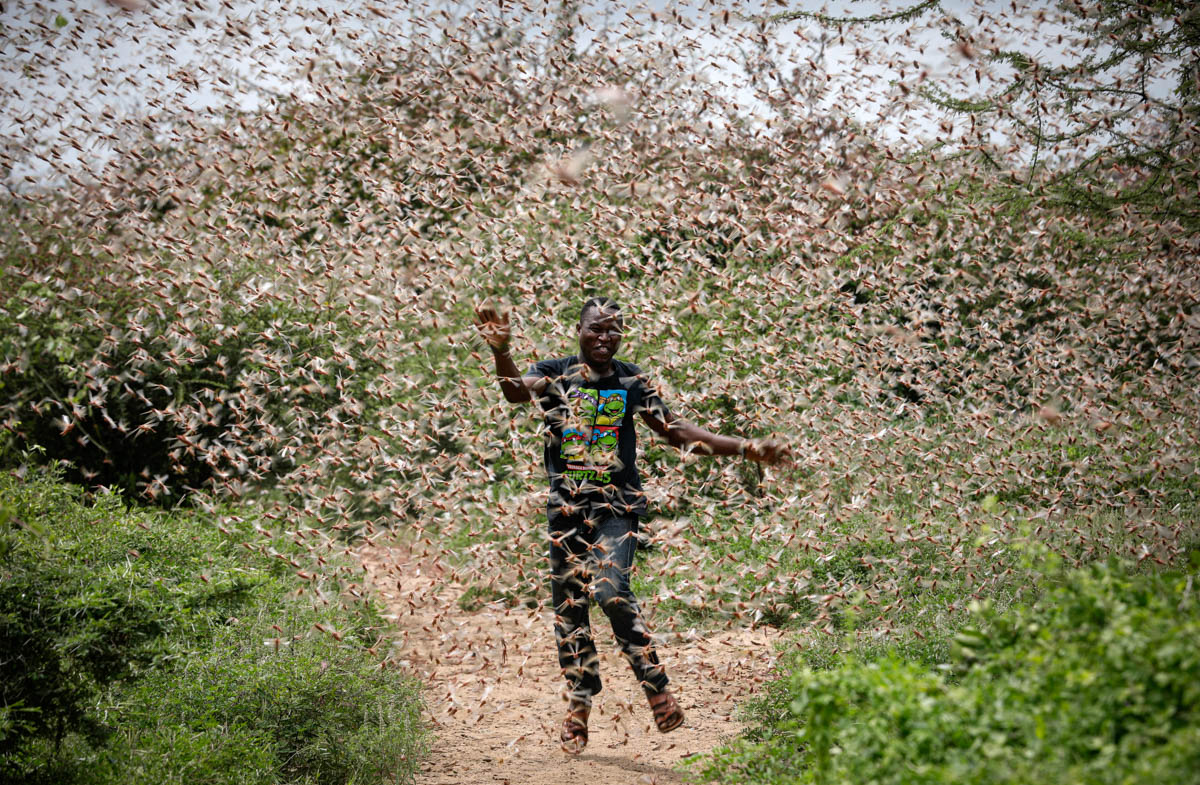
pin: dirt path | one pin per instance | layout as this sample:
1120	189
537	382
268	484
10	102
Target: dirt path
494	687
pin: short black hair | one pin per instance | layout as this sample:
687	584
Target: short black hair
601	303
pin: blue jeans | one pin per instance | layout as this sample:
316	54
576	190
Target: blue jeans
590	559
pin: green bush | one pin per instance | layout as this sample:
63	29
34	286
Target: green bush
175	397
70	620
1098	682
308	712
141	646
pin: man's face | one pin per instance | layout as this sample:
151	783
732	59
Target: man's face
599	336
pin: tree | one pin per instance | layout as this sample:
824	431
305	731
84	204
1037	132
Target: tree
1106	121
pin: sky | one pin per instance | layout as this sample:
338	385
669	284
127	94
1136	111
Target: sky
73	75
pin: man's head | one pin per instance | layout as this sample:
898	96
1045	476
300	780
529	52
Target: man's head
600	329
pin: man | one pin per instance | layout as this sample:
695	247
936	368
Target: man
596	498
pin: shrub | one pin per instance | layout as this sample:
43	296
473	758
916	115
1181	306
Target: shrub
160	386
142	646
1097	682
70	623
313	711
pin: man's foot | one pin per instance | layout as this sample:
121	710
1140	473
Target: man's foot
667	714
574	735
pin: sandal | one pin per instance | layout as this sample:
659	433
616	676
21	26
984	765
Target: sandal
667	714
574	734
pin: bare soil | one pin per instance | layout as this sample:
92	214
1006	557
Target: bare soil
494	690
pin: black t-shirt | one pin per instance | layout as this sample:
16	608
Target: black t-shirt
591	443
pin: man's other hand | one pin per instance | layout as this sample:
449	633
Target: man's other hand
768	451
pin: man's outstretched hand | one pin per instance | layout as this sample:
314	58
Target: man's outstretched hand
493	327
768	451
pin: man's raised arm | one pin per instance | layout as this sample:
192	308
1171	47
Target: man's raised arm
494	327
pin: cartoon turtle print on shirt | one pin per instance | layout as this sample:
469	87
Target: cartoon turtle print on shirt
574	445
612	407
589	441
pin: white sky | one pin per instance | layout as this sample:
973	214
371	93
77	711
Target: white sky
72	73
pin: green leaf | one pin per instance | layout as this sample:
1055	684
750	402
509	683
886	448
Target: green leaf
60	21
